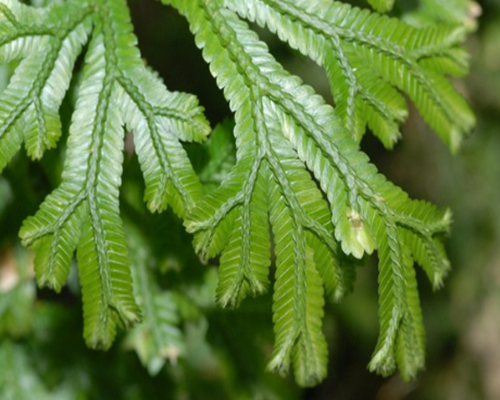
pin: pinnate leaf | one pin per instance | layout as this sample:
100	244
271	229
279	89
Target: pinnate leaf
299	184
297	160
369	58
116	91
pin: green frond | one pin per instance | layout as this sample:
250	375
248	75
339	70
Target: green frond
170	178
410	346
380	105
430	254
347	41
116	90
233	218
158	119
93	171
422	226
439	12
339	280
157	338
54	249
283	126
392	256
293	180
221	156
213	219
248	248
382	5
238	228
298	300
47	49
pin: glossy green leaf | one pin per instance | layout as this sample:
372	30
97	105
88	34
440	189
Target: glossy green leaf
367	57
293	187
285	135
116	91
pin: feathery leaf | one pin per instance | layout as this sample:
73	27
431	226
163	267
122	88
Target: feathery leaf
116	90
367	57
298	179
285	136
157	338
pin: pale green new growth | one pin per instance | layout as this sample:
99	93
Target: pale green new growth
299	182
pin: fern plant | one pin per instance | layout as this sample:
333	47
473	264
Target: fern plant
300	187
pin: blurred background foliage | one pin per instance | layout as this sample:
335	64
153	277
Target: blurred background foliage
189	349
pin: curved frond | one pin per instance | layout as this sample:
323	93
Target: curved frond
116	90
367	57
157	338
47	43
294	180
298	299
285	136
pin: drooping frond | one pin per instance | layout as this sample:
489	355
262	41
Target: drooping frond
116	91
157	338
367	57
298	166
47	43
293	183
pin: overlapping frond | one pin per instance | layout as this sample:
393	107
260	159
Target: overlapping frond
297	162
367	57
116	91
299	186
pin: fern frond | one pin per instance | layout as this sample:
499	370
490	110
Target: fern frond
116	90
221	156
157	338
298	300
450	12
367	57
298	179
47	43
382	5
285	136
